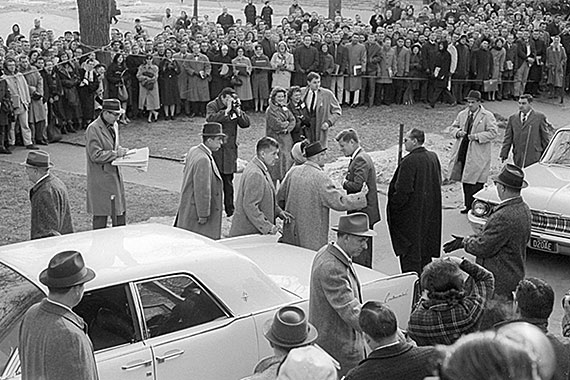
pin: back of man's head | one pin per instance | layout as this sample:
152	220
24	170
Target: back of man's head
535	298
377	320
441	278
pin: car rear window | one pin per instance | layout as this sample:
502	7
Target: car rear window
17	294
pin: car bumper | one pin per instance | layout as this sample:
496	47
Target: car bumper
540	240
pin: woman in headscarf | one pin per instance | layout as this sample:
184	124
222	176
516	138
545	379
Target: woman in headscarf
168	84
283	63
149	97
279	123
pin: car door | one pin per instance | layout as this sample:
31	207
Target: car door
116	334
192	333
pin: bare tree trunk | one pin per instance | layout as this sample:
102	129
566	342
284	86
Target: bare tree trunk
94	22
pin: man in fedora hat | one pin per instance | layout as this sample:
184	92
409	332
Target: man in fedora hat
287	330
226	110
103	179
51	213
201	196
501	245
53	342
308	194
335	295
474	129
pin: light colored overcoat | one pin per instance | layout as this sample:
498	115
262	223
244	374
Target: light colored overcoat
556	61
283	64
103	179
182	60
54	345
308	194
327	109
335	301
37	112
198	86
256	205
279	122
356	56
478	159
201	195
149	99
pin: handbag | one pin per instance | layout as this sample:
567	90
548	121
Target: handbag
122	92
236	81
490	85
53	133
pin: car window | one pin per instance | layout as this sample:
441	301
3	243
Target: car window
559	151
17	294
109	317
174	303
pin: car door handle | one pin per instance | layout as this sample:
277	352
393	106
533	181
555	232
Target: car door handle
169	355
137	364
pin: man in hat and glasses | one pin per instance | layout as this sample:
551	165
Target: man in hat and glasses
51	213
501	245
335	297
287	330
474	129
201	196
103	179
308	194
53	342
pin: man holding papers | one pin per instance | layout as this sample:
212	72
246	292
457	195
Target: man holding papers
201	195
104	179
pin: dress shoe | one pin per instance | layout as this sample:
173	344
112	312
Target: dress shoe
42	143
465	210
5	151
32	147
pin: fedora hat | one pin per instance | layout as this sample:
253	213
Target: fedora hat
289	328
474	94
354	224
66	269
212	130
112	105
511	176
314	149
38	159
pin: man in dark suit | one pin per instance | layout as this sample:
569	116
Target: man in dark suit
414	205
226	20
360	170
226	110
392	356
306	58
501	246
528	132
335	295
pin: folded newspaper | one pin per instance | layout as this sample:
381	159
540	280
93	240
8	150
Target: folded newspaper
135	158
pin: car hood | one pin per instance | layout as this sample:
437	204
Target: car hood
548	190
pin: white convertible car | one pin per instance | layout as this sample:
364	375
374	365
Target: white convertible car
547	194
169	304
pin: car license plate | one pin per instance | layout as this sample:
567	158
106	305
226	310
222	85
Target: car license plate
543	245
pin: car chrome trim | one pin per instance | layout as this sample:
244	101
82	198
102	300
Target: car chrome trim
137	364
173	354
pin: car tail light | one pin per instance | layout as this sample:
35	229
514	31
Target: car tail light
480	208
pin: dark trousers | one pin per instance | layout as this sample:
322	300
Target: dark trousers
442	92
368	91
413	263
469	191
365	258
384	93
228	182
100	221
399	88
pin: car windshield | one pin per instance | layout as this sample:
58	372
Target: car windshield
558	152
17	294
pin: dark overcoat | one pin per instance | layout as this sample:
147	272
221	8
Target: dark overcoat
414	205
335	301
529	140
482	64
226	157
201	195
51	213
54	344
361	169
501	245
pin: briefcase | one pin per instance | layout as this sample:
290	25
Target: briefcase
490	85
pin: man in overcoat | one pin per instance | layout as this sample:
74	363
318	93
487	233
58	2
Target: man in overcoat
51	213
104	179
528	132
323	108
200	208
356	67
474	129
340	57
361	170
53	341
335	297
306	58
501	246
256	203
414	205
226	110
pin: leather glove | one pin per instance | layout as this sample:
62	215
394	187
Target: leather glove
454	244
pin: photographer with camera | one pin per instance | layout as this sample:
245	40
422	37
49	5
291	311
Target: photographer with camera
226	110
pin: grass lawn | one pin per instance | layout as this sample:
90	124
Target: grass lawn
142	202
